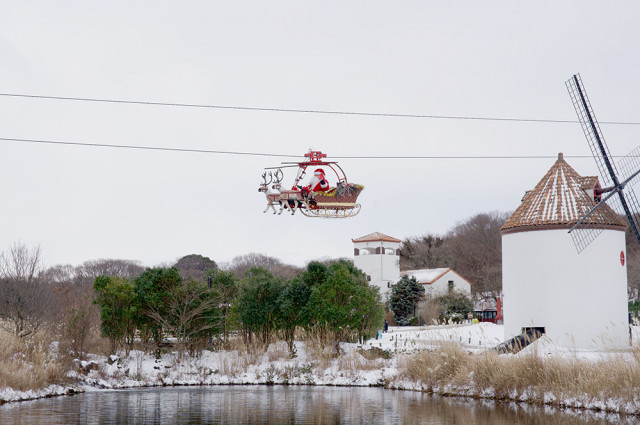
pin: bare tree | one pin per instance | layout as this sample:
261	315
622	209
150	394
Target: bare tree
240	264
85	274
126	269
27	301
476	247
428	311
81	321
20	263
61	274
472	248
425	252
190	313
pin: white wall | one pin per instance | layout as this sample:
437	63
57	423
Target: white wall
384	269
580	299
441	285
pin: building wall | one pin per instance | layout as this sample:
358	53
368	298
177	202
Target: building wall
580	299
441	285
380	261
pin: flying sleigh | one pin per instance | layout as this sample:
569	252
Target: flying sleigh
317	198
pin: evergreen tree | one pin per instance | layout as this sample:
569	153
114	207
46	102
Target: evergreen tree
456	304
225	285
404	298
343	304
153	288
293	308
117	301
258	304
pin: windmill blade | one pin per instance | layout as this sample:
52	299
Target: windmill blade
583	232
592	131
626	204
628	165
623	200
583	235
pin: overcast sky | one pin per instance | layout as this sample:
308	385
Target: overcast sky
500	59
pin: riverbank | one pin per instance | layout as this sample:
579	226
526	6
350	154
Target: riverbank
451	360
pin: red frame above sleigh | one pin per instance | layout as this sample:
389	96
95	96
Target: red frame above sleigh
314	159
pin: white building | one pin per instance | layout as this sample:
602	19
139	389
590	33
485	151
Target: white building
440	281
577	299
378	256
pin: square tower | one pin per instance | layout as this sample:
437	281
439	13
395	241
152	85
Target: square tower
378	255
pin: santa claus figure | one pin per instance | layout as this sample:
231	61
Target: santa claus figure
318	182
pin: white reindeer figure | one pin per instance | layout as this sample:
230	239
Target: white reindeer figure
292	200
271	192
287	199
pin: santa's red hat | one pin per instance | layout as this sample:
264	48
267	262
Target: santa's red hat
318	171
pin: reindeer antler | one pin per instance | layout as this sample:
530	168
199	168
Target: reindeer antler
278	175
264	178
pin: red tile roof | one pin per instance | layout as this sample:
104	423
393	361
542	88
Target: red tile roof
376	237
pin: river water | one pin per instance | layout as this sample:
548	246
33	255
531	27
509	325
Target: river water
284	405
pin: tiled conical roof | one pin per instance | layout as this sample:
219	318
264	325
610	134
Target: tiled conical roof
560	200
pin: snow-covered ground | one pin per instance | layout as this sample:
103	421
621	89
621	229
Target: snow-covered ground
473	338
276	366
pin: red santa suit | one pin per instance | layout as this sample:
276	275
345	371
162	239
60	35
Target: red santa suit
318	182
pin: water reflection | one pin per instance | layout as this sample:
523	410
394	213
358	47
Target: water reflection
283	405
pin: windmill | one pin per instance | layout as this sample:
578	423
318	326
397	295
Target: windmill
617	181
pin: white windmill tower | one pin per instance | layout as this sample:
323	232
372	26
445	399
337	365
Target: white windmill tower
573	286
578	299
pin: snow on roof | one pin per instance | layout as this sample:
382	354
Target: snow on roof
376	237
426	276
560	200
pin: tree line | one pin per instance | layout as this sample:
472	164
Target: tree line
257	298
332	302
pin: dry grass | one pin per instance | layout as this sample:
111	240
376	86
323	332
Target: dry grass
319	353
238	357
433	368
542	380
529	377
30	364
230	364
278	351
373	353
352	364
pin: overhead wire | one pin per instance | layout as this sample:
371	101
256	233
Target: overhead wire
271	154
307	111
304	111
141	147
